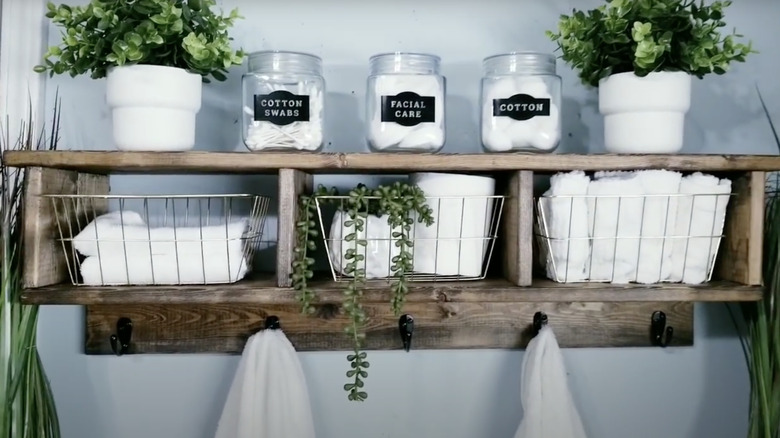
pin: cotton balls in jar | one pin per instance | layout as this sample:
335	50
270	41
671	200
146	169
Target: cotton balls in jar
519	113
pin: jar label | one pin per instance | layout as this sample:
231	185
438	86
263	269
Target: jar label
281	108
408	109
521	107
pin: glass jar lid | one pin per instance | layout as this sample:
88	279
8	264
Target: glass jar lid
280	61
404	63
519	63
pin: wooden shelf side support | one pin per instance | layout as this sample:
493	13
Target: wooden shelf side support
44	258
517	229
292	184
741	250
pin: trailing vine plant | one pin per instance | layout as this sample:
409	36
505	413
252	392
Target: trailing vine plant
400	202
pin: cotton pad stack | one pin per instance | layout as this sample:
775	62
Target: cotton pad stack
298	135
387	135
501	133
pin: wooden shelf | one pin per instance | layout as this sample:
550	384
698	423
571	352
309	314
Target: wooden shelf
264	292
495	313
104	162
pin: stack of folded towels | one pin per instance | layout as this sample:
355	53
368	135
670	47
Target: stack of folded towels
121	249
648	226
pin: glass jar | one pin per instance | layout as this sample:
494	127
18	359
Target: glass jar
521	103
284	96
405	103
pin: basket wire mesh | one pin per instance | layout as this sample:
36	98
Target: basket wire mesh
675	239
458	245
111	240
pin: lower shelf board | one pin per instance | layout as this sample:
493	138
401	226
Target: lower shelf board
224	328
263	291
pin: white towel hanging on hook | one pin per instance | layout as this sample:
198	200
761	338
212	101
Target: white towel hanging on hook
269	397
549	409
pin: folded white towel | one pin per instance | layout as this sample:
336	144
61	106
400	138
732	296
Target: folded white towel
164	269
614	217
702	216
658	224
548	406
379	250
565	208
113	233
269	397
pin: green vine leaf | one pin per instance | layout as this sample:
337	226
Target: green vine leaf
400	203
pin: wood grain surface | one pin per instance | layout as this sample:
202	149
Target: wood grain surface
44	256
292	184
270	163
263	291
224	328
741	252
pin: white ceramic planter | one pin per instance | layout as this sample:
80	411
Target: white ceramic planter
153	107
644	115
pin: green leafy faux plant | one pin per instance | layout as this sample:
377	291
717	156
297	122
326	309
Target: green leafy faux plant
174	33
644	36
27	408
399	202
761	340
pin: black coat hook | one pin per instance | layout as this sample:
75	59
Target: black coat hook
660	334
272	323
406	328
540	320
120	341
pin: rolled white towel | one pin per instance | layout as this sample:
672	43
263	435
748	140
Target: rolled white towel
614	218
457	241
658	224
565	210
379	250
700	220
164	269
128	233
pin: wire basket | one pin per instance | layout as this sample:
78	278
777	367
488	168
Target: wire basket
647	239
113	240
457	246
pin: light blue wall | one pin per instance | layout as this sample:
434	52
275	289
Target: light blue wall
640	393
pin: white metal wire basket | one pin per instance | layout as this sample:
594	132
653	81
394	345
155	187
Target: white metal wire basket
647	239
457	246
113	240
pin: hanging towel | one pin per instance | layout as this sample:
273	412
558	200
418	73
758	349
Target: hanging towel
269	397
614	218
700	219
548	406
565	210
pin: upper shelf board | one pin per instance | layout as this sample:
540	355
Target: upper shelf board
107	162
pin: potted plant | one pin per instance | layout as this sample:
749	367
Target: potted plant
27	406
155	56
642	56
761	337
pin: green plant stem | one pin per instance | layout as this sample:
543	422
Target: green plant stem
302	263
398	201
